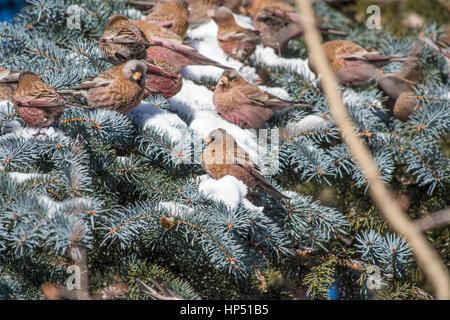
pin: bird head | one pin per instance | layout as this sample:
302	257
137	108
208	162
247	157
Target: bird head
135	70
216	135
116	20
220	14
228	76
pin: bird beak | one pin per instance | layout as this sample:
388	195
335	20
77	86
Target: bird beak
206	140
137	76
224	81
210	13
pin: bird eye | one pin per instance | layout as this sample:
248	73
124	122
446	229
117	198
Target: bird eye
213	138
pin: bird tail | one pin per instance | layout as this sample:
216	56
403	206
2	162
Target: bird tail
300	105
218	64
277	194
77	105
154	68
61	93
443	48
335	32
324	29
402	59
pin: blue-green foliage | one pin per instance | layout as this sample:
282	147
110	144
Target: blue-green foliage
100	181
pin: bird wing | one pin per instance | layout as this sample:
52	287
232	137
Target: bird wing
164	23
156	32
242	160
366	56
125	35
238	35
103	79
184	48
161	68
41	99
263	99
164	19
357	74
249	116
253	95
241	157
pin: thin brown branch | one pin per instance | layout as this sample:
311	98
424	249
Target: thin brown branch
354	264
321	256
435	219
90	58
425	254
165	294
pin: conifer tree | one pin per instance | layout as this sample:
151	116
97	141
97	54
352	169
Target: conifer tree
125	197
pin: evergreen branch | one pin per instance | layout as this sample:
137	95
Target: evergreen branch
90	58
165	294
353	264
392	212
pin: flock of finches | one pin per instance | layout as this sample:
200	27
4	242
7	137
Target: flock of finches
148	55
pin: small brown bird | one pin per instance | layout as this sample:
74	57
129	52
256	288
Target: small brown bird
163	78
122	40
405	105
198	9
37	102
120	88
223	156
402	100
252	7
244	104
237	42
171	14
279	23
442	45
167	45
8	83
353	64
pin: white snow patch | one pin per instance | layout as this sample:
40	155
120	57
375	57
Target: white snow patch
134	14
308	123
192	98
175	208
267	56
148	116
228	189
29	133
350	97
22	177
278	92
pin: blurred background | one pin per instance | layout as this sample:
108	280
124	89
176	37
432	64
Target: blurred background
398	16
8	8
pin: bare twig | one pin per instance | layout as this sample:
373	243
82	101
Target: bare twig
426	256
435	219
321	256
356	265
165	294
